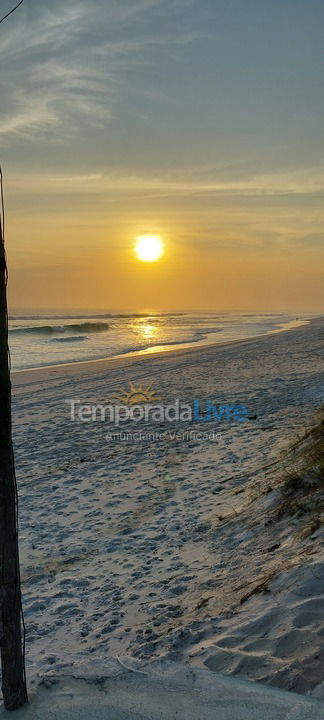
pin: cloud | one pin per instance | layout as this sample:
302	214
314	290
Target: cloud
32	114
313	240
299	182
42	29
65	67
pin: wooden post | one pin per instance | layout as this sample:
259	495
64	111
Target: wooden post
12	656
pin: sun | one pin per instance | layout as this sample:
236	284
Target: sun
149	248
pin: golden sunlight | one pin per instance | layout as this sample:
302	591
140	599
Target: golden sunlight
149	248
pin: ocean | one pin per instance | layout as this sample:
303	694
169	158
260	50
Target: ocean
38	340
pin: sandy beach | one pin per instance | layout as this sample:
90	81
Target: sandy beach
140	550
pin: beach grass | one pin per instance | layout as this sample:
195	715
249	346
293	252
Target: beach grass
303	485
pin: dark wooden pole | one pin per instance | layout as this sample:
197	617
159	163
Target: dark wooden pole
11	641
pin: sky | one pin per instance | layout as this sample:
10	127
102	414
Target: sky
197	120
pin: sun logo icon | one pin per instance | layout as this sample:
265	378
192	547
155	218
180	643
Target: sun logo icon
137	395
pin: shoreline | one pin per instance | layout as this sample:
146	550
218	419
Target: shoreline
119	361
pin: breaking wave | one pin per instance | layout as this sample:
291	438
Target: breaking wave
84	327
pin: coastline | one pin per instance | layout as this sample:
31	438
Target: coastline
126	359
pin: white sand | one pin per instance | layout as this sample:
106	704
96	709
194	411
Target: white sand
164	692
149	550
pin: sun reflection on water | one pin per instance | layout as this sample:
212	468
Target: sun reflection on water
147	331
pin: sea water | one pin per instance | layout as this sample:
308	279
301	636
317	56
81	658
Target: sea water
41	339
